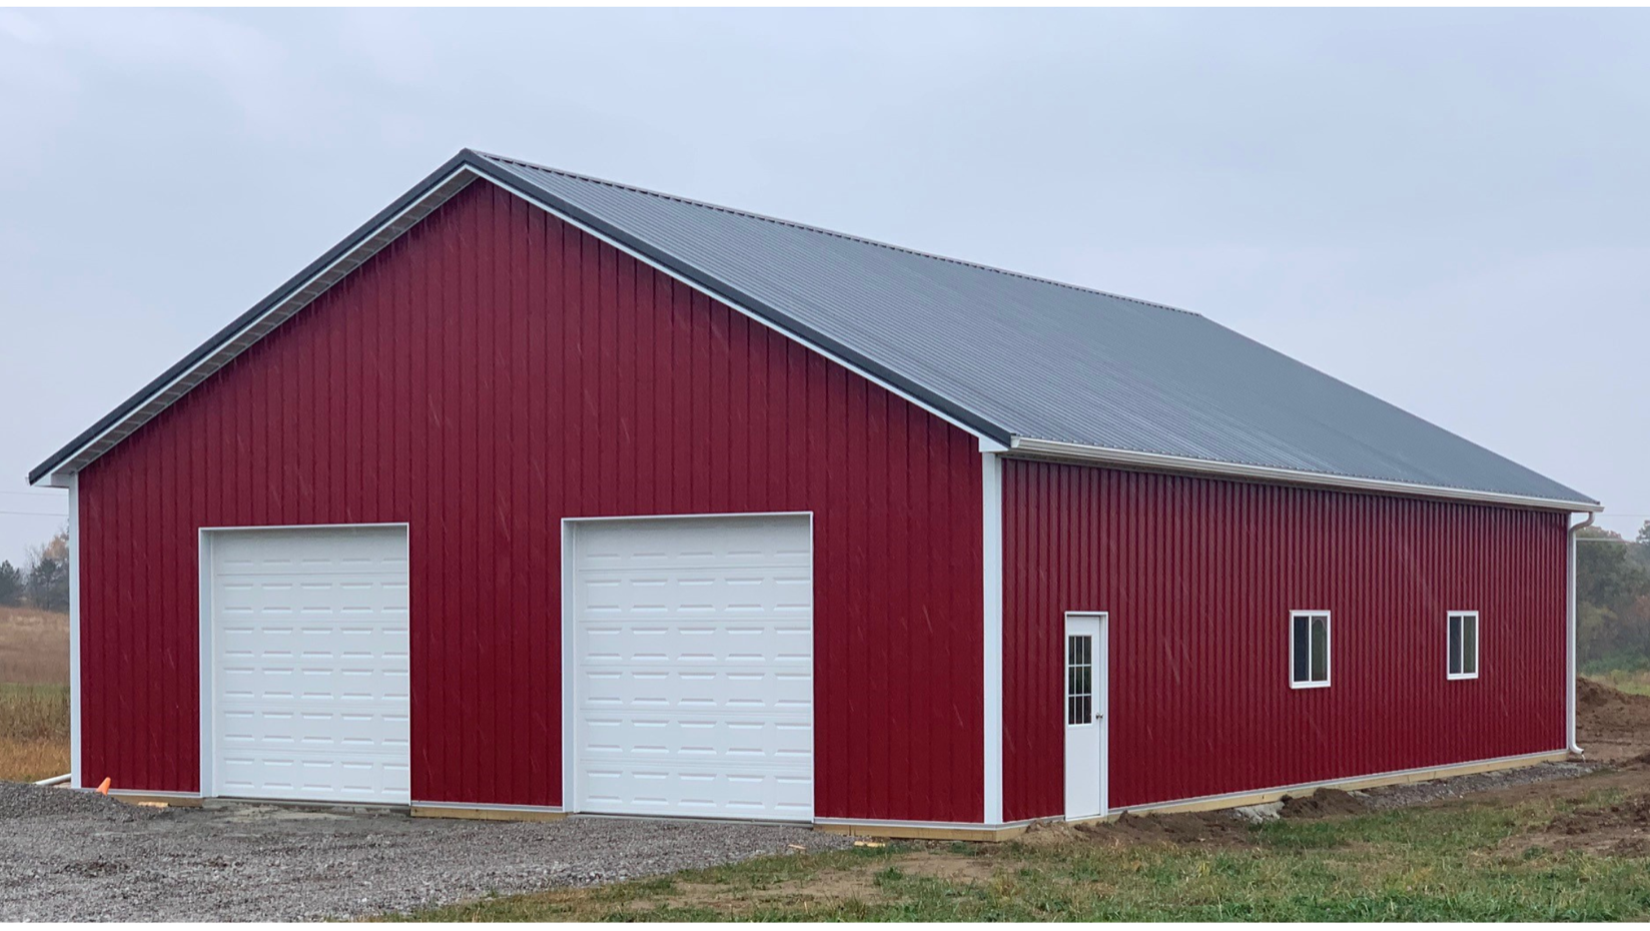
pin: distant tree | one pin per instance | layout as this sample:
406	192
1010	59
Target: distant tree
1639	552
11	584
46	577
1612	602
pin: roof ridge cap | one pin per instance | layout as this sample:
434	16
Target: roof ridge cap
827	232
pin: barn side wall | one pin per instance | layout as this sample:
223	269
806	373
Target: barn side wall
1199	577
492	372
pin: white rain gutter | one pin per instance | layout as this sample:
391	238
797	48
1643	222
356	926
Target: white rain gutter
1570	637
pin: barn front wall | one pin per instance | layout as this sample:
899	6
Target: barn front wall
491	373
1198	578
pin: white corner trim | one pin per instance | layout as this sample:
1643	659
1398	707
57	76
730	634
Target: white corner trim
75	764
1570	634
992	545
1078	452
569	650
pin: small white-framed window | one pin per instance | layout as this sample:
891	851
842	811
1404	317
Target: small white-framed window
1309	649
1462	645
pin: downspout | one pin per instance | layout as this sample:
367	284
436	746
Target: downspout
1570	631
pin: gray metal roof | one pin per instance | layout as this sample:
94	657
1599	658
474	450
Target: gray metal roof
1043	360
1013	357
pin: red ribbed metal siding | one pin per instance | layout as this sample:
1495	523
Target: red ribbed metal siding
495	371
1199	577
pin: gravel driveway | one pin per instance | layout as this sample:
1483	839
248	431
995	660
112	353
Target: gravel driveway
72	856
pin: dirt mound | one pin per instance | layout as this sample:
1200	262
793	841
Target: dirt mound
1611	724
1635	812
1622	829
1204	827
1219	828
1323	802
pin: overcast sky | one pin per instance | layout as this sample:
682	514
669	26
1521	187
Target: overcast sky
1447	209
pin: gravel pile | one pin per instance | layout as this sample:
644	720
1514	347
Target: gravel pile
21	800
1419	793
82	860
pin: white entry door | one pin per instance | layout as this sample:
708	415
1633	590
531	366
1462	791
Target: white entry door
1085	715
308	682
693	667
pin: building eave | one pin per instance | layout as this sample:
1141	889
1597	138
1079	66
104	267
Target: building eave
1124	458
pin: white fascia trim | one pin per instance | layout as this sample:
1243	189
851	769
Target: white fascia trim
992	540
1078	452
323	280
1330	783
75	774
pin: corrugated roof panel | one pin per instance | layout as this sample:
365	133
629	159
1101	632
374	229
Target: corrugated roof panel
1051	361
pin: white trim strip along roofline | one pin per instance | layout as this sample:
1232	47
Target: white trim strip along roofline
381	237
1101	455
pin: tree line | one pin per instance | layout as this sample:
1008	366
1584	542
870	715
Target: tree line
1613	600
43	582
1612	593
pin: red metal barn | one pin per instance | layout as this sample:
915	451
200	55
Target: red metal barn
545	495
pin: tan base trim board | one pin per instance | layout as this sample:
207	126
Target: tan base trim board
923	832
1356	782
486	814
154	798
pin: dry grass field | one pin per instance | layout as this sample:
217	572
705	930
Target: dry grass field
34	694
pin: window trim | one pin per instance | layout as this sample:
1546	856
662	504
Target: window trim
1328	648
1477	646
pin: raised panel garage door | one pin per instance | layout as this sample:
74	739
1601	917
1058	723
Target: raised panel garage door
309	682
693	645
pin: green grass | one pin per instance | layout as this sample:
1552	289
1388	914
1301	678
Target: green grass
1452	863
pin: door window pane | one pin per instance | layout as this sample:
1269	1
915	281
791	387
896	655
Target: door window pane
1079	679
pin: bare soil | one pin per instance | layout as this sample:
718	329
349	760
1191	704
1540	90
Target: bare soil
1611	725
1621	830
1323	803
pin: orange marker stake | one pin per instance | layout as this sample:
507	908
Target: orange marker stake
104	788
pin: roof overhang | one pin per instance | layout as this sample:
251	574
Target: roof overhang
383	229
1124	458
466	167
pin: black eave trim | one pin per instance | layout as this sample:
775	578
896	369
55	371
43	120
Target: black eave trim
487	168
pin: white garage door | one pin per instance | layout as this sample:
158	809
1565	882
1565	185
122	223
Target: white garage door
309	687
693	642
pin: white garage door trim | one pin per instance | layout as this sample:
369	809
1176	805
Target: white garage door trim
207	657
569	640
